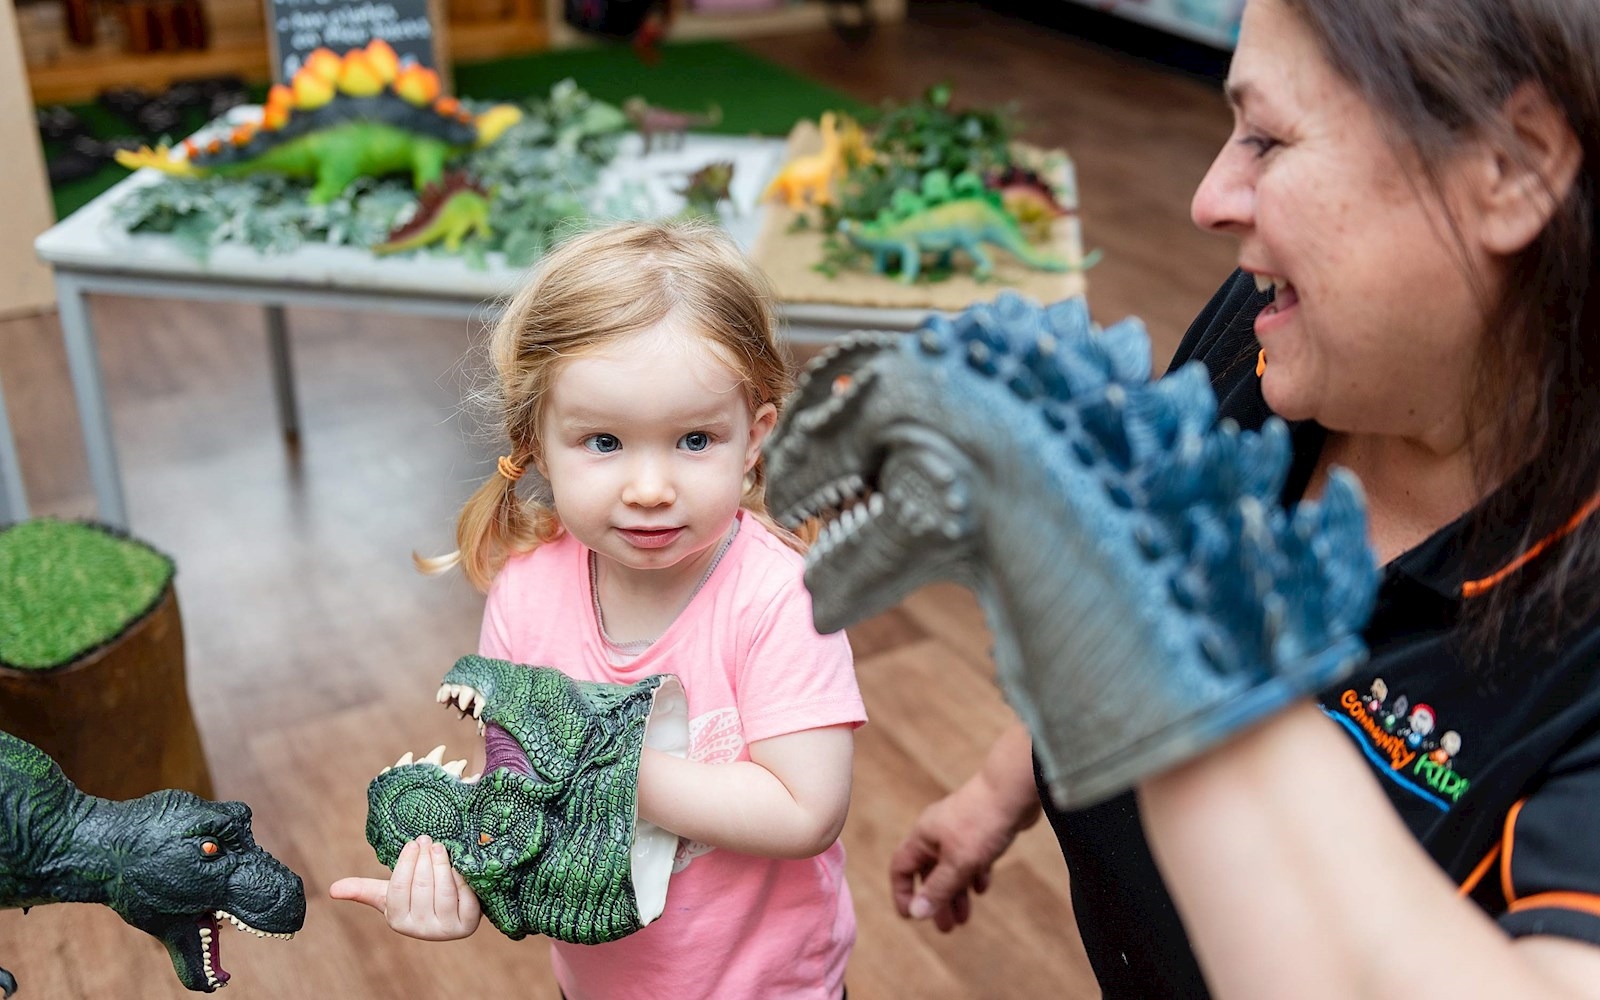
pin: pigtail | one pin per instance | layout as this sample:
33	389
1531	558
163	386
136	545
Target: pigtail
494	524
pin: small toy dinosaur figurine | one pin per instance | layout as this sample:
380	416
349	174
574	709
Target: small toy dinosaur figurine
170	863
342	118
670	126
962	223
447	213
548	835
1028	199
707	188
808	180
1147	593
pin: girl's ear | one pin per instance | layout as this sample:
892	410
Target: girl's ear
1529	169
761	424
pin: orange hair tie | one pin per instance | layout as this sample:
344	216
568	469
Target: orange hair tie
509	469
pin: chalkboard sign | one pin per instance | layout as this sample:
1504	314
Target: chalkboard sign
296	27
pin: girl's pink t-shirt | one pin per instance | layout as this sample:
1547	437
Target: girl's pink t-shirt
753	667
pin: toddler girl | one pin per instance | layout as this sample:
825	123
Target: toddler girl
639	373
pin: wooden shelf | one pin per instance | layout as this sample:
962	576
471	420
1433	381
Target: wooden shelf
80	78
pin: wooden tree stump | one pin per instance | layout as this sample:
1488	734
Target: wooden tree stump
117	716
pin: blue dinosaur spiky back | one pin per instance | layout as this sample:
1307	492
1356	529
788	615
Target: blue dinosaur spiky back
1204	494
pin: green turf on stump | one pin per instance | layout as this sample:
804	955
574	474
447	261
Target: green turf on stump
67	588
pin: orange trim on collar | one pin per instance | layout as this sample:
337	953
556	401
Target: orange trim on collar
1474	588
1587	902
1477	873
1261	362
1505	857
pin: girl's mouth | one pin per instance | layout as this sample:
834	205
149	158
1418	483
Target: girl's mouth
650	538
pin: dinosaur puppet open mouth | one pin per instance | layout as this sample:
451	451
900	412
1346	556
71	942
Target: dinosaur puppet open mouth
196	948
548	834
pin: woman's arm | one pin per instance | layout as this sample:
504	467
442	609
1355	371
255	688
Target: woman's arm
957	840
787	801
1295	877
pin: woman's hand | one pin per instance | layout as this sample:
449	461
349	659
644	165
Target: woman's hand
425	898
957	839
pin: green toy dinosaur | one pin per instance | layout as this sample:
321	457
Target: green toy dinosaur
548	835
962	223
170	863
447	213
362	115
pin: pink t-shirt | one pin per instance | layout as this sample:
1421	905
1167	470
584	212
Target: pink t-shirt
736	927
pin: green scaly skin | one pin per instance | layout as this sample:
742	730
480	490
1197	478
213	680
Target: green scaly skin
544	842
959	224
169	863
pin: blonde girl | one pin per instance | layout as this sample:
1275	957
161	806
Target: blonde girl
639	374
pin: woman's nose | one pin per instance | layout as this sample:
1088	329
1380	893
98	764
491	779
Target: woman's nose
1225	200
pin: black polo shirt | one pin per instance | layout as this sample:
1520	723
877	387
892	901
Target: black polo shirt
1495	769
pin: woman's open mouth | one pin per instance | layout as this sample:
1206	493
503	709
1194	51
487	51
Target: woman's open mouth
1284	300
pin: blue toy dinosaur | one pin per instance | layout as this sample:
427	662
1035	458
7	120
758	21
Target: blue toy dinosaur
1147	593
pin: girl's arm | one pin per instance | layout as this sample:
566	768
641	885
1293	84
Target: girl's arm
1301	881
787	801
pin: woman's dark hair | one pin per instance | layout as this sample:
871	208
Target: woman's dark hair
1439	73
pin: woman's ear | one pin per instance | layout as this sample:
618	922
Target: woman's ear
761	424
1530	166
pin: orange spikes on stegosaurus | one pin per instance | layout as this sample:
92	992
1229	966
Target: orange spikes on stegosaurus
361	72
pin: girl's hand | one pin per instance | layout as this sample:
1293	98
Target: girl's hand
425	898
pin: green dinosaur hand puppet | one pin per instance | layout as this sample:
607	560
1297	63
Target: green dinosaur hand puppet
170	863
548	836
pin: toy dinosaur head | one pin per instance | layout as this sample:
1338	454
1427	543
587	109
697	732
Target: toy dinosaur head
1105	522
548	835
183	865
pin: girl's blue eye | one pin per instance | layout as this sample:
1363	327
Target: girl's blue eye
695	441
605	444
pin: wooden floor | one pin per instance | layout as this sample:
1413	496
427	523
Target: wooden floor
314	649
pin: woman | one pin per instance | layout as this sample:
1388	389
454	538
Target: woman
1412	184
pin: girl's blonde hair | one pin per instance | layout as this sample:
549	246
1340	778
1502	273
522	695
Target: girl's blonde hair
592	289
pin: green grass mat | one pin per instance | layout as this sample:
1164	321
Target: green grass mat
67	588
754	94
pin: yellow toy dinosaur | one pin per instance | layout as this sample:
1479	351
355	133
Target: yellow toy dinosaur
809	179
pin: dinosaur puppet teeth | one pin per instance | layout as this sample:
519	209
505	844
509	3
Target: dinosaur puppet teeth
225	915
454	768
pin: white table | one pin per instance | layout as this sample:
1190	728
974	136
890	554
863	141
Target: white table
91	254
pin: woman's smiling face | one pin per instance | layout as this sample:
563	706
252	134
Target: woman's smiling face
1379	308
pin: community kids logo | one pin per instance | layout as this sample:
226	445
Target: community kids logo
1403	739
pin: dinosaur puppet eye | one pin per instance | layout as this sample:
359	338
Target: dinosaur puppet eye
210	848
841	384
485	838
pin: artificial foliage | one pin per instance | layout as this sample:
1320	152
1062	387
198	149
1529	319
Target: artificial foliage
540	174
67	588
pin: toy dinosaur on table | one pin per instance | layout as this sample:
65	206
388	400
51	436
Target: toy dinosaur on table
1147	594
548	835
338	119
707	188
670	126
964	222
1029	199
170	863
810	179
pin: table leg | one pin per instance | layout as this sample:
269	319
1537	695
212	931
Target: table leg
83	362
13	499
282	371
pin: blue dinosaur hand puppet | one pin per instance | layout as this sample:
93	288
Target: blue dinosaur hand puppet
1147	593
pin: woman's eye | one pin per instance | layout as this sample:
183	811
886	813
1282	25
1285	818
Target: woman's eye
696	441
1260	143
605	444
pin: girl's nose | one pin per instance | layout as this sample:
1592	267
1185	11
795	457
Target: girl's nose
649	484
1225	200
